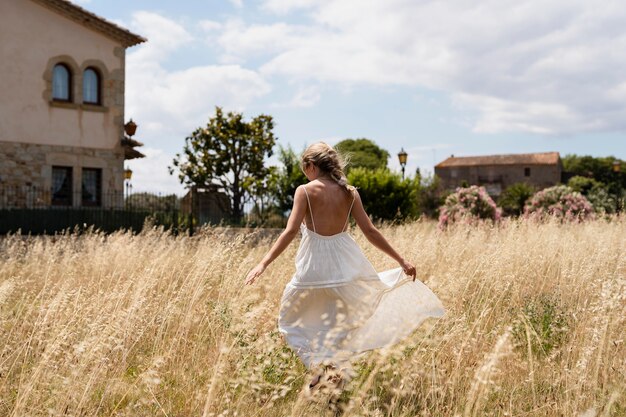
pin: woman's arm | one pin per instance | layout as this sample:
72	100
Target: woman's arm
291	230
376	238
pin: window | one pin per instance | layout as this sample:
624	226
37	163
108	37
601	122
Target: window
61	83
91	86
527	172
61	186
92	187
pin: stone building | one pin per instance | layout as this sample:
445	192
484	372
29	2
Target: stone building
497	172
62	105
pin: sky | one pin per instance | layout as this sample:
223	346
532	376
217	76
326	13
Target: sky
435	77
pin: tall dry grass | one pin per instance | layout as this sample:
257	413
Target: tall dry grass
150	324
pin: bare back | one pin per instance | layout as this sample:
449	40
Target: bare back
330	207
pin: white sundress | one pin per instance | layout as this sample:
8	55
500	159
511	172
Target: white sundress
337	305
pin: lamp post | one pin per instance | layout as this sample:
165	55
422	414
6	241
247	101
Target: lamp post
402	156
128	174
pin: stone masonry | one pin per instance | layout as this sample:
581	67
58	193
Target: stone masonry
26	172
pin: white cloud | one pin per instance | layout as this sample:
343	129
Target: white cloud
549	66
209	25
237	3
164	36
286	6
306	97
150	174
171	103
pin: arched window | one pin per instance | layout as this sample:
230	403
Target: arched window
91	86
61	83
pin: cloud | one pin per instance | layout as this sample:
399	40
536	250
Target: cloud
306	97
547	67
237	3
150	174
286	6
171	103
164	37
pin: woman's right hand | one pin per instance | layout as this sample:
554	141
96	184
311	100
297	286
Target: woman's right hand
408	268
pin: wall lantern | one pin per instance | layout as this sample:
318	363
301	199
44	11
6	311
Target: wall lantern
130	128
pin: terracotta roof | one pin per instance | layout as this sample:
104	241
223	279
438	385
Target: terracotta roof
546	158
92	21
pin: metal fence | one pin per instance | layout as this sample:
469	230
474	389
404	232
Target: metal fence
39	211
33	210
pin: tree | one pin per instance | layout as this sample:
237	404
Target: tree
514	197
430	197
600	169
385	195
363	153
230	153
289	178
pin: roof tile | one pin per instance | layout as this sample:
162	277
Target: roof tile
545	158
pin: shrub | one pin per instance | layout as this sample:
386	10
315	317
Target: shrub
561	202
596	192
470	205
583	184
385	195
602	201
514	198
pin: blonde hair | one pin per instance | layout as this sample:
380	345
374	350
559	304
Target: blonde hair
327	160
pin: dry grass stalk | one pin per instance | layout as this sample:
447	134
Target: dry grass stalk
151	324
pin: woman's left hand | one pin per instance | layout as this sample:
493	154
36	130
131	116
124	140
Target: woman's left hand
254	274
409	269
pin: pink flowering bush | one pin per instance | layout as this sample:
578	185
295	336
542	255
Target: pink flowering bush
469	205
561	202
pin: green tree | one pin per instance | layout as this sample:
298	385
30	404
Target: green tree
385	195
514	198
363	153
289	178
431	196
230	153
600	169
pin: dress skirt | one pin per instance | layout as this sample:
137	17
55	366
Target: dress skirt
337	306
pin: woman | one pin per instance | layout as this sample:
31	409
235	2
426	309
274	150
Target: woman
336	305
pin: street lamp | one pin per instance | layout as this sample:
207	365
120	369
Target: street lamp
617	166
128	174
402	156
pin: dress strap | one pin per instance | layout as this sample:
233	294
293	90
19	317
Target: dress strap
310	211
349	212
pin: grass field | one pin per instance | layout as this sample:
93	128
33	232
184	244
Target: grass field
150	324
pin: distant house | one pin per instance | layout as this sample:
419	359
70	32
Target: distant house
62	105
207	204
497	172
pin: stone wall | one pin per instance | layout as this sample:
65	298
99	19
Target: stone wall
26	172
497	178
